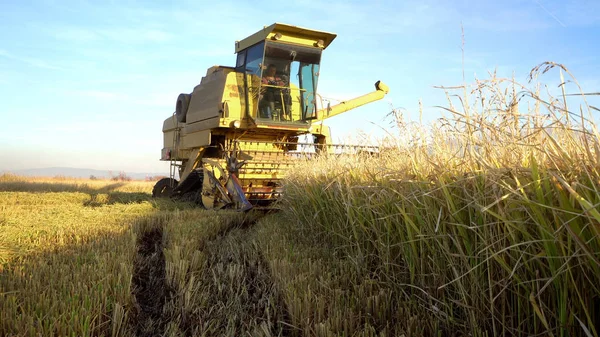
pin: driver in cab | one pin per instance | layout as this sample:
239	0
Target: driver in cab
273	95
271	78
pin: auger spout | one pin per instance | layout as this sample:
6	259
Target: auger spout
380	91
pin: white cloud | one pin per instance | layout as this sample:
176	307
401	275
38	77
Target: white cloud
32	61
578	13
132	35
75	34
102	95
38	63
120	34
155	99
210	52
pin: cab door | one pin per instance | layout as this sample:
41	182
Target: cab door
249	63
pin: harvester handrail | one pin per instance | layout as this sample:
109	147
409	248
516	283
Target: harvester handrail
283	87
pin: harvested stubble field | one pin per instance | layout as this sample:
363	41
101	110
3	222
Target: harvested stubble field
484	224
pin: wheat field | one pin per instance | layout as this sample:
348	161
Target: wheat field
483	223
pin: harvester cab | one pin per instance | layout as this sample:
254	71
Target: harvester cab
233	137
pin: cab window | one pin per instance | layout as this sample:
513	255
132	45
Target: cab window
241	60
254	58
288	83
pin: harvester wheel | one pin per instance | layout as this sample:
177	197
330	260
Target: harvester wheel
164	187
181	107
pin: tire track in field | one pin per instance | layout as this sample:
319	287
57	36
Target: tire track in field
241	297
149	284
238	295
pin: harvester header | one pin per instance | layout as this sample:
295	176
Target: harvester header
233	137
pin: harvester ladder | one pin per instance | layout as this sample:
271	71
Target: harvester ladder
173	165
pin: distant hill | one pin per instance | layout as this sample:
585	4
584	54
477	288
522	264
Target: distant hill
82	173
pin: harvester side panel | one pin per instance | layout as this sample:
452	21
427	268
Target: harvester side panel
169	133
207	96
218	100
234	96
196	139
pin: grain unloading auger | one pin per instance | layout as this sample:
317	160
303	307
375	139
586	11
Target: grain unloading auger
232	139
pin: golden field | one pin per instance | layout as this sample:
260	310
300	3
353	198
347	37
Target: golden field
483	223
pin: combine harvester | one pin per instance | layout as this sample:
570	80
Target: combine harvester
233	138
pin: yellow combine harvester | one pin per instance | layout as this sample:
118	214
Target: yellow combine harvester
232	139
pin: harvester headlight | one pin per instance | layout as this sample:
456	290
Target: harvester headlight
277	36
320	44
236	124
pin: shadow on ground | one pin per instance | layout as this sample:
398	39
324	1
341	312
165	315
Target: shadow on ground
79	289
104	195
110	198
54	187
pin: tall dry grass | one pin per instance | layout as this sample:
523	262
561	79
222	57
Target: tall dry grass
482	223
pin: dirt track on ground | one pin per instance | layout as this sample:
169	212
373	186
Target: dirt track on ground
237	293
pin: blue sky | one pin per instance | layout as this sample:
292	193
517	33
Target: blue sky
88	83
